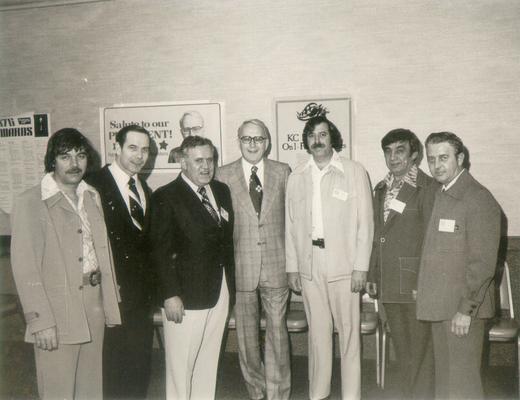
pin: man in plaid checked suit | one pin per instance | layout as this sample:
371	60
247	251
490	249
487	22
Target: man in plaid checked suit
258	192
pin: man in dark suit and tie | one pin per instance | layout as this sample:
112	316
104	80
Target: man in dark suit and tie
258	192
126	198
192	249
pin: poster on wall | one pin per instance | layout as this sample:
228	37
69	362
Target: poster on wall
168	124
291	116
23	142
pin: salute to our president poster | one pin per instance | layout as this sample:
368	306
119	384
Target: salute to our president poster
23	140
163	121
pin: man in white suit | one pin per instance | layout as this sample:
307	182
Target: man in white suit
258	192
329	230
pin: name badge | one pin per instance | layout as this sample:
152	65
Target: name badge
397	205
339	194
224	214
446	225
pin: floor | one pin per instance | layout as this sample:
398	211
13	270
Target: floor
17	374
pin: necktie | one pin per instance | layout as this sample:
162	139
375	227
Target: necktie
255	190
207	204
136	209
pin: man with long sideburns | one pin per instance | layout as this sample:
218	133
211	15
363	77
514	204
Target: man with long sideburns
192	248
126	205
400	218
329	230
257	187
455	290
63	272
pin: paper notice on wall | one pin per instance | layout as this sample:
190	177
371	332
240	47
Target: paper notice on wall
23	141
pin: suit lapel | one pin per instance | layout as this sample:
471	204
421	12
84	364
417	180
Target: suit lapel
243	193
195	204
269	189
115	201
404	196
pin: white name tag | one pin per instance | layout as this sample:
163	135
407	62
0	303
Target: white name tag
397	205
224	214
446	225
339	194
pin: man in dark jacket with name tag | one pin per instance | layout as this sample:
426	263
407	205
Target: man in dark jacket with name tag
455	290
400	217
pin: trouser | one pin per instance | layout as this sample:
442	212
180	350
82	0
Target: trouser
325	301
74	371
127	351
273	376
192	350
458	361
413	349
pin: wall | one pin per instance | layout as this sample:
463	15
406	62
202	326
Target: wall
425	65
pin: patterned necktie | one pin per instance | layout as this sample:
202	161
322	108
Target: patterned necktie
136	209
255	190
207	204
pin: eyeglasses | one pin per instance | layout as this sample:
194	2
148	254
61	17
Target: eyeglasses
192	130
256	139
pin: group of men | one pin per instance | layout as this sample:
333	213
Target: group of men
242	235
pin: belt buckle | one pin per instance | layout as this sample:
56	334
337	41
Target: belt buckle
94	278
319	243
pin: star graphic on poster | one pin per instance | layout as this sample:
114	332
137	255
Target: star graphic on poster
163	145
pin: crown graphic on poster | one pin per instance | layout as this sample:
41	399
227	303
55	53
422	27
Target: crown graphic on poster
312	110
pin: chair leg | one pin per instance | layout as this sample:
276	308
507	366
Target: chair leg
383	357
378	356
518	363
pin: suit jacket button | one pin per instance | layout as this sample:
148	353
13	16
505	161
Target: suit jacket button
80	230
80	287
383	240
80	259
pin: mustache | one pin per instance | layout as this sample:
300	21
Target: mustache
74	171
317	146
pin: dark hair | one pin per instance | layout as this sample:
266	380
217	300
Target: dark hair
335	136
263	126
190	142
404	135
451	138
121	135
62	142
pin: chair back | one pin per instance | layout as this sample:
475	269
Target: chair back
506	298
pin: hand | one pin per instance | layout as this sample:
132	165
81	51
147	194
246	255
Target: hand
46	339
294	281
358	281
460	324
371	289
174	309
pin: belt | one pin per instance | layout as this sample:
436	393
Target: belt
92	278
319	243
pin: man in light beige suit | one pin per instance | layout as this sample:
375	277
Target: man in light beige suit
329	230
63	272
258	192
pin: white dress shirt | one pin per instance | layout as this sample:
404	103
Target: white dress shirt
246	166
317	174
195	188
122	178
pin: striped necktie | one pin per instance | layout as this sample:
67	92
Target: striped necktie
207	204
255	190
136	209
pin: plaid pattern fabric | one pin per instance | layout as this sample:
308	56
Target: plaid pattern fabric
259	243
